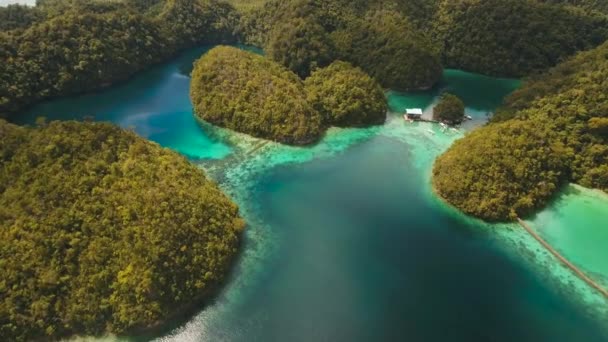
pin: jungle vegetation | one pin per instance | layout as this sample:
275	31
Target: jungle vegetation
300	45
15	16
449	109
513	38
510	38
551	131
384	43
252	94
80	46
346	96
93	228
391	50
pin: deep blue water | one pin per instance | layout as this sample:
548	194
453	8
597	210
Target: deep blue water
364	256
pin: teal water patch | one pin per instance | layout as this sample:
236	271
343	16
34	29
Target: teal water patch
155	104
577	225
480	94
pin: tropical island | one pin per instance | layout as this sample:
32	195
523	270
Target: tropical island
105	232
251	94
549	132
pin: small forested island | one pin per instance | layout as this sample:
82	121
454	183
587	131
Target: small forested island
102	231
449	109
551	131
252	94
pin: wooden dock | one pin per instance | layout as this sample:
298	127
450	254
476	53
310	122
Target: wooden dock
565	261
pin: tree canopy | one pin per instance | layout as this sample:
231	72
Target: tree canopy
450	109
346	96
550	131
72	46
383	42
73	53
513	38
193	22
102	231
251	94
17	16
391	50
403	43
300	45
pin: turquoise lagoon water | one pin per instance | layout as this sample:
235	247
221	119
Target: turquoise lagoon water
346	241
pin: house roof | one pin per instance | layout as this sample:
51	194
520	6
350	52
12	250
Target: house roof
414	111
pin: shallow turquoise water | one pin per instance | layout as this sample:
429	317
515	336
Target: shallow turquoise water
577	223
345	240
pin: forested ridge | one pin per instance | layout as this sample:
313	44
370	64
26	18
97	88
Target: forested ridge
551	131
513	38
84	45
508	38
384	43
102	231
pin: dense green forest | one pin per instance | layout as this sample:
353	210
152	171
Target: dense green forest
513	37
400	40
73	53
384	43
249	93
391	50
93	229
13	17
552	130
300	45
84	45
346	96
590	5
